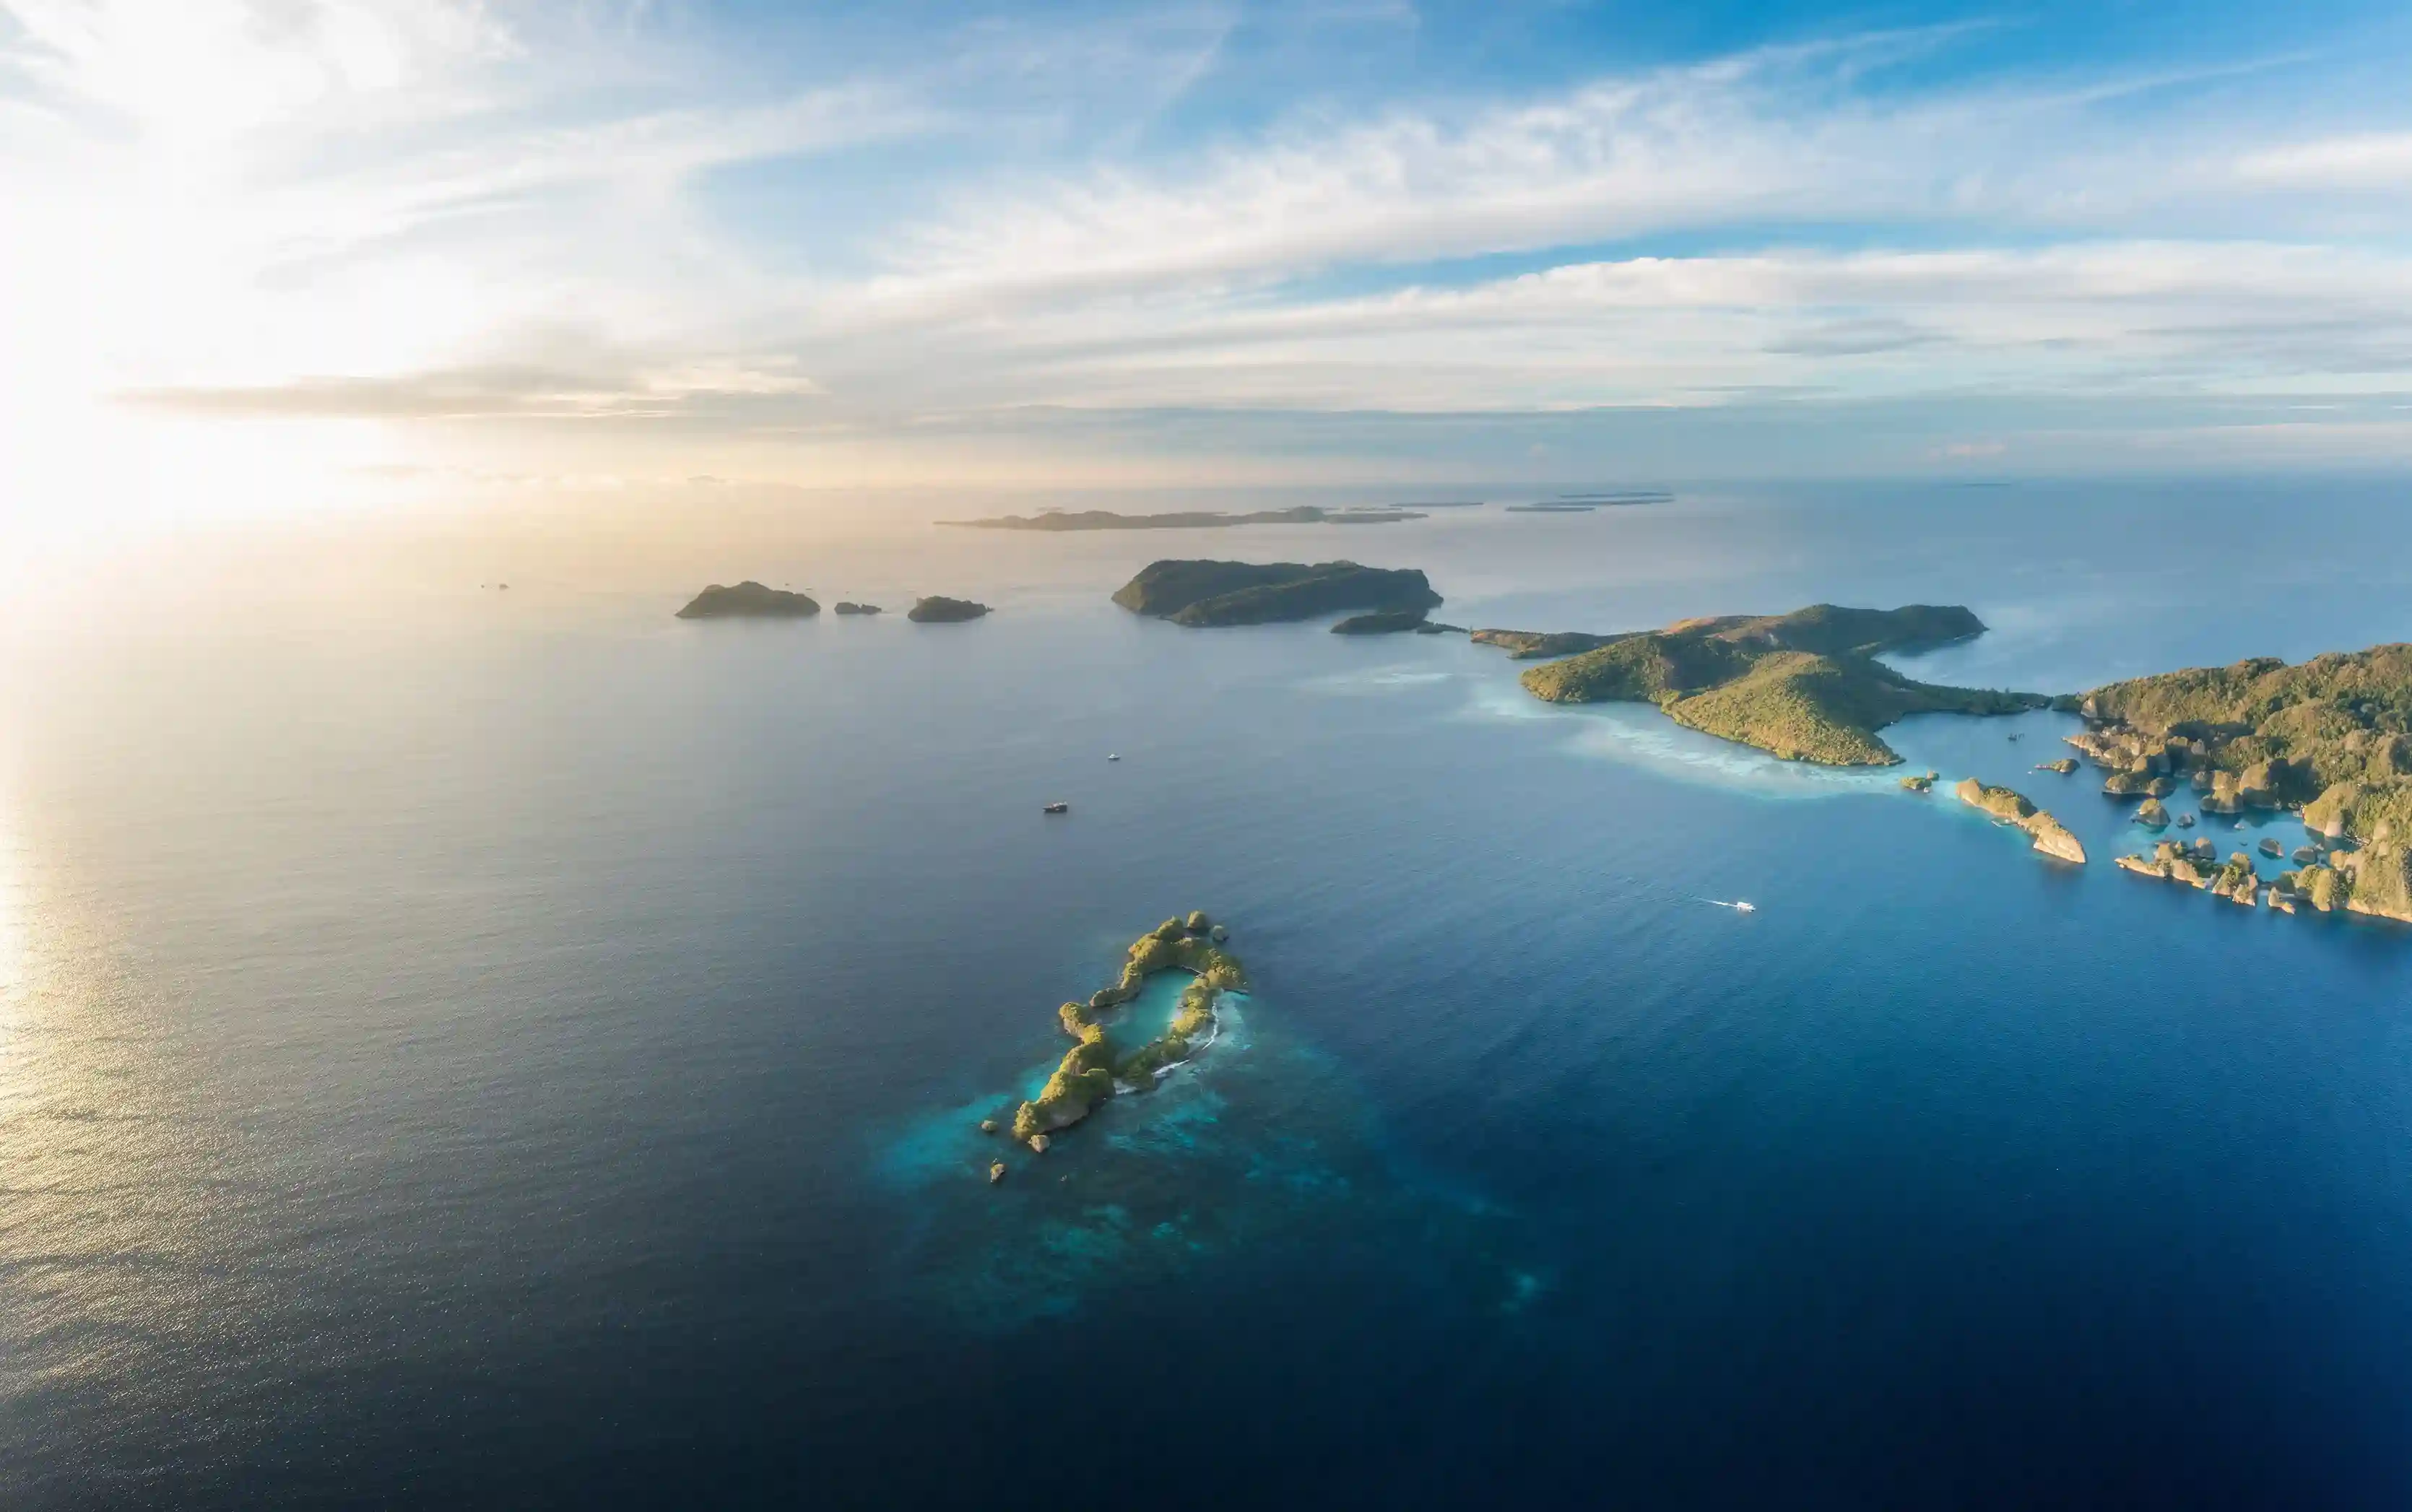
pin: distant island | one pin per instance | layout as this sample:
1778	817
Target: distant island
2050	835
1577	504
1528	645
1090	1072
1804	686
844	607
939	610
748	600
1304	514
1201	593
2331	738
1388	622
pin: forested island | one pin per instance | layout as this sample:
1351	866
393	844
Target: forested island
2331	736
1304	514
939	610
1201	593
1804	686
748	600
1090	1072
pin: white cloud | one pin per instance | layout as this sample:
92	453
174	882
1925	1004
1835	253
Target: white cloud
438	211
2372	161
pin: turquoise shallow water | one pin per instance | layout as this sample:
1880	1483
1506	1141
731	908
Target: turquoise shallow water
1144	1020
531	1054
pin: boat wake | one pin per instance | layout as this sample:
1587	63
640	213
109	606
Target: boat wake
1737	906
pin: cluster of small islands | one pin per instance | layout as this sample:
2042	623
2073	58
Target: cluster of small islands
2328	740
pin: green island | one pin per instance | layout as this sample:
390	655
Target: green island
2050	835
847	607
1530	645
1921	782
2329	738
748	600
1388	622
1091	1072
1805	687
1202	593
1304	514
939	610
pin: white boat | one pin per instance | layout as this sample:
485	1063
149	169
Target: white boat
1746	908
1110	757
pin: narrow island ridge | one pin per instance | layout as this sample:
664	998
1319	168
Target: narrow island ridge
2050	835
1060	521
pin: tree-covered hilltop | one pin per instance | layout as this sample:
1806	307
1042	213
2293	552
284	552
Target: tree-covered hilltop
2331	736
1804	686
939	610
1090	1073
748	600
1247	593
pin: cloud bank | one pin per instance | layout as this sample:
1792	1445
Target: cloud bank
650	229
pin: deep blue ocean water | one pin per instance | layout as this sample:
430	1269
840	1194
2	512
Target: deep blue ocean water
500	1051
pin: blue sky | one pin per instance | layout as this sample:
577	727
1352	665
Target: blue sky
1367	242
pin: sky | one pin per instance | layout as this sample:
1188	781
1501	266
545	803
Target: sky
315	253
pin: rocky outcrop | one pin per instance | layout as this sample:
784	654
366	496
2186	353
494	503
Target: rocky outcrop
2153	814
849	607
2049	834
2063	766
1923	783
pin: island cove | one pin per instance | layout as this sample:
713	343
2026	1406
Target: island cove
1097	1068
2331	738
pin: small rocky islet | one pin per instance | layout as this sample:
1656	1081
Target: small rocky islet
938	609
1091	1072
2051	836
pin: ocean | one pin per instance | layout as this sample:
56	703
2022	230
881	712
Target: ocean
502	1047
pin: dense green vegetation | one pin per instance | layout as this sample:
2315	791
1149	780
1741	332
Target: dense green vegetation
939	610
1805	687
1089	1073
1381	622
2333	735
1246	592
748	600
